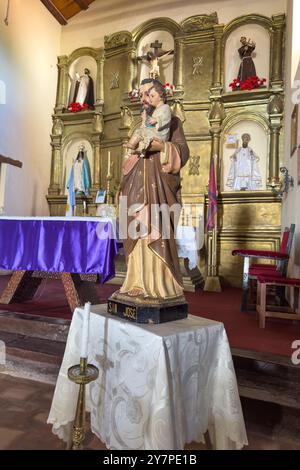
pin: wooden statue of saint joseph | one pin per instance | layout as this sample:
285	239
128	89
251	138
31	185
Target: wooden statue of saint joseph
152	261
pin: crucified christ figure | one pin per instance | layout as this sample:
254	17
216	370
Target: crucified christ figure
154	57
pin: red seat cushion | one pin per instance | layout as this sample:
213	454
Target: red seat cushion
261	254
284	281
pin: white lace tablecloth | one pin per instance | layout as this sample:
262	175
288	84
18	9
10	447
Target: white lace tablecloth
159	386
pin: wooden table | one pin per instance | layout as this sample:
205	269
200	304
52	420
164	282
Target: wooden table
78	251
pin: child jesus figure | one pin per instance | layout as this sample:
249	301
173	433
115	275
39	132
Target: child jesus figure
156	126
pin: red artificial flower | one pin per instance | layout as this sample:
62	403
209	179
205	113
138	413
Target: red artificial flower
75	107
249	84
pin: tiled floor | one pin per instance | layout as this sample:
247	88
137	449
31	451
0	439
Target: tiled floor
25	405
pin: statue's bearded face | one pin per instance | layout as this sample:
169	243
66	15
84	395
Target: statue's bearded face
145	97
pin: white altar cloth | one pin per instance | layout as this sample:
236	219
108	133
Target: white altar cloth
186	241
159	386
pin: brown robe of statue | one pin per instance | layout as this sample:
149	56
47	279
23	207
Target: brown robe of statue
149	181
247	67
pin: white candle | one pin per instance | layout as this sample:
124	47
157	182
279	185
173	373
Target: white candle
108	165
85	330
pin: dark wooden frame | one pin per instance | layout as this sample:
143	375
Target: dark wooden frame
294	129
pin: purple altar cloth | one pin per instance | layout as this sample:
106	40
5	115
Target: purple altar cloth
53	244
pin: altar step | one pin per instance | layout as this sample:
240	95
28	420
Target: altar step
267	378
34	345
37	326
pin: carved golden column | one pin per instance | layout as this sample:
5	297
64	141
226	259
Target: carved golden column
56	164
217	86
126	121
212	282
215	132
56	160
178	68
274	150
132	70
276	51
216	116
275	109
62	84
100	80
96	142
96	151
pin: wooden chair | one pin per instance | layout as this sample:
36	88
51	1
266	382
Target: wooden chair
281	257
265	280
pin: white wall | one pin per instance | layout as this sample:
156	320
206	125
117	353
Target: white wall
29	47
105	17
290	209
295	37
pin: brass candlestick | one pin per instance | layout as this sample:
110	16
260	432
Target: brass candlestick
82	375
109	177
109	193
84	207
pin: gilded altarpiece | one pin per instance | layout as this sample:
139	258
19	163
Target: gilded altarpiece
208	111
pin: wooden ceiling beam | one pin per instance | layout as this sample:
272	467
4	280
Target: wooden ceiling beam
55	12
83	4
63	10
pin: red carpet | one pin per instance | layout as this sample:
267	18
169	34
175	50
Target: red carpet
242	328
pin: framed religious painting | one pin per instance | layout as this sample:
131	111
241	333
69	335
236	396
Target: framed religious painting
231	141
294	129
100	197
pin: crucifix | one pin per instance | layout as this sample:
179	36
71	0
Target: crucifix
154	56
156	45
10	161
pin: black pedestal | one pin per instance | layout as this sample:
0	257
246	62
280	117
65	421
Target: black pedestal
147	311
